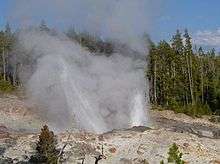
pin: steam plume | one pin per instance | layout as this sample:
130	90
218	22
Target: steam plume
73	86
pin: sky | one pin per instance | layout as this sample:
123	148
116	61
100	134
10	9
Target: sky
200	17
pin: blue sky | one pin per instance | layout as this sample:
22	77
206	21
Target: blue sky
196	15
200	17
3	10
193	14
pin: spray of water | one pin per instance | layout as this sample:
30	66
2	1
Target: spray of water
137	111
76	88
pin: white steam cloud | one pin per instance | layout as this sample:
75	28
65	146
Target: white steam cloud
123	20
98	93
74	87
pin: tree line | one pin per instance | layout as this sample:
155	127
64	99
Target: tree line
13	57
92	42
183	77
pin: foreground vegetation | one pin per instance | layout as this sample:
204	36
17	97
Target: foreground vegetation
46	151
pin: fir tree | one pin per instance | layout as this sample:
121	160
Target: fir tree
46	148
174	155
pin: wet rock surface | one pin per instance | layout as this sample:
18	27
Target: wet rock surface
198	129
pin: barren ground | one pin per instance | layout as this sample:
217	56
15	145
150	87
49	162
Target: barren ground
198	139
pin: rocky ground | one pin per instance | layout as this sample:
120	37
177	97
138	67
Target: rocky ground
198	139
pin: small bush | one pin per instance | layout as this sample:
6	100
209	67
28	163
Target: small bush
194	110
157	107
5	86
197	110
174	155
46	148
173	104
214	119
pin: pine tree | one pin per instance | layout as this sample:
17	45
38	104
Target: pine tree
43	26
8	29
179	69
46	148
174	155
151	72
177	43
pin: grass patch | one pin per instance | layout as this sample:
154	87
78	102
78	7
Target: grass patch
6	86
197	110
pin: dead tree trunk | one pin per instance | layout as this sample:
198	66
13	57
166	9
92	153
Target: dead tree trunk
202	81
191	77
62	149
155	82
4	63
189	72
100	157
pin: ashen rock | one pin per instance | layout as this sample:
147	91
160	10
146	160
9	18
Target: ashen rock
125	161
216	134
112	150
215	162
5	160
215	119
3	132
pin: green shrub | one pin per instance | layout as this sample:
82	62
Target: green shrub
46	148
174	155
173	104
197	110
179	109
193	110
157	107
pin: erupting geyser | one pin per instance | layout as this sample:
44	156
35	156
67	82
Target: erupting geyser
74	87
77	88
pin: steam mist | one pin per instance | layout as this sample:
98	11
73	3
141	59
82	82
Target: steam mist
75	87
